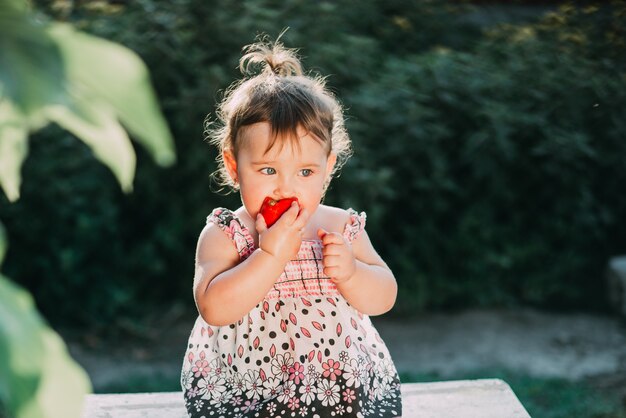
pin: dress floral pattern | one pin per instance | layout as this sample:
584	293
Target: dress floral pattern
303	351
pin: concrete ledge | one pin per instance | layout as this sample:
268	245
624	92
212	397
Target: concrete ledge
485	398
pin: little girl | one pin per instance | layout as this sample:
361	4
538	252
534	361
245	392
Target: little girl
283	328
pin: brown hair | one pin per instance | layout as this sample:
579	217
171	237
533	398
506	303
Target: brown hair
283	96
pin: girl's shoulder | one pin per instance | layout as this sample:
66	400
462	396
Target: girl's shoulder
332	218
345	221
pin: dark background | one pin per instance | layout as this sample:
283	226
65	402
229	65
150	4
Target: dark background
489	152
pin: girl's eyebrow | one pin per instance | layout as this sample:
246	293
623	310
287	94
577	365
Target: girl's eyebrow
274	162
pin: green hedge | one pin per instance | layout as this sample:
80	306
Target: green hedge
500	180
509	161
491	165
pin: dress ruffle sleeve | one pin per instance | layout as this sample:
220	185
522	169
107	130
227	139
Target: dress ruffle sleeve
355	225
232	226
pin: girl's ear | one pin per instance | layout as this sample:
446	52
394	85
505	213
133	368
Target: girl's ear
330	164
230	162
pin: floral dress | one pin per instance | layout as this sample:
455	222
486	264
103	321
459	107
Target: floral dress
303	351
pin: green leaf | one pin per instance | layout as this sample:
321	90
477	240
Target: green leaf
14	7
119	77
63	384
31	68
94	122
21	349
37	376
13	149
3	243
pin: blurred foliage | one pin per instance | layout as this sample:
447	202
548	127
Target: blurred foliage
51	73
38	378
489	160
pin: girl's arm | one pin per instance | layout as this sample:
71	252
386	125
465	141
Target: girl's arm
359	272
226	289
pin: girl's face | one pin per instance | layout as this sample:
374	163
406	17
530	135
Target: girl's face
282	172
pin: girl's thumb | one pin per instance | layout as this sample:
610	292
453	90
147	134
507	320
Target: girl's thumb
321	232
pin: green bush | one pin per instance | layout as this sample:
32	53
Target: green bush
503	149
507	157
508	162
51	73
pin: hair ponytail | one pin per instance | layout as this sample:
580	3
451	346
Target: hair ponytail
271	57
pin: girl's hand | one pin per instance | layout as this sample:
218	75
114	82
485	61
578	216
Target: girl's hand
339	260
283	239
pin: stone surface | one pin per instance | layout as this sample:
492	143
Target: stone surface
616	277
136	405
485	398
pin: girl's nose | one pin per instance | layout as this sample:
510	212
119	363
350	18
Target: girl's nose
285	187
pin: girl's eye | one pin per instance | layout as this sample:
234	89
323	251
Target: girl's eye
268	170
307	172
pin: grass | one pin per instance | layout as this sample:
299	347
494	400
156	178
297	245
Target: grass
547	398
154	382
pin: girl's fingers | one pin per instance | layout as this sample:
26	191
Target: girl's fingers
331	260
290	215
260	224
331	271
302	219
332	249
332	238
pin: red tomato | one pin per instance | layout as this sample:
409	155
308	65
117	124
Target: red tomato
272	209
